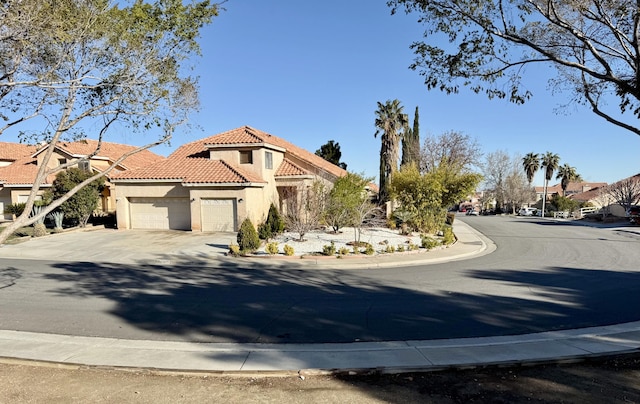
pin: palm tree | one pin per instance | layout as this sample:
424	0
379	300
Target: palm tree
390	123
531	164
567	174
549	163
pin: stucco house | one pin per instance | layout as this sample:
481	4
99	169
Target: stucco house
573	188
602	198
214	183
19	165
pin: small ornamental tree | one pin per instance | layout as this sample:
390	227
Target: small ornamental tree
248	237
80	205
347	194
305	206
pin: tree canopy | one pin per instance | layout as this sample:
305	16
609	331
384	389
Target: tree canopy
487	45
330	151
81	205
71	69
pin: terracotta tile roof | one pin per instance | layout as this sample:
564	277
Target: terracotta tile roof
593	192
111	151
14	151
190	162
25	169
191	170
573	187
288	168
247	134
586	196
21	172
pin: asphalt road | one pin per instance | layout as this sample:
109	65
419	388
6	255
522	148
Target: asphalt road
543	276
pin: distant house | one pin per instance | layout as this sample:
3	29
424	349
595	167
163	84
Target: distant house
572	189
214	183
601	198
19	165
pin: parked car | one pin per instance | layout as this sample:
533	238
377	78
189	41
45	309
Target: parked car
528	212
472	212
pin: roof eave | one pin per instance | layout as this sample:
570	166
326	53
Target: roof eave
225	184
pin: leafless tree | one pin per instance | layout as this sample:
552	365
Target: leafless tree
626	192
453	148
506	181
304	208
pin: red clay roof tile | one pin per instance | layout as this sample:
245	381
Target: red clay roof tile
14	151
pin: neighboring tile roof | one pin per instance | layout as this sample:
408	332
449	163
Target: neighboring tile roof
24	170
14	151
573	187
593	192
191	170
21	172
287	168
111	151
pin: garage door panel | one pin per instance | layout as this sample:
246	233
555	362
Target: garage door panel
160	213
218	214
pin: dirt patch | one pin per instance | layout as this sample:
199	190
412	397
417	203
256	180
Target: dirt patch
605	380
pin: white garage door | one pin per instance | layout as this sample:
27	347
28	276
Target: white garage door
160	213
218	214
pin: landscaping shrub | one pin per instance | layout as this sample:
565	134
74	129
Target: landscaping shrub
390	249
273	226
447	235
429	243
329	249
343	251
15	209
288	250
400	248
272	248
248	237
369	250
234	250
39	230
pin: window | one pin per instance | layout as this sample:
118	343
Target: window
268	160
62	161
246	157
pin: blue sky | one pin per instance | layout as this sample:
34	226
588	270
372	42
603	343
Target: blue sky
311	72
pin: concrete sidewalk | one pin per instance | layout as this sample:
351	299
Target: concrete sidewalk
385	357
229	358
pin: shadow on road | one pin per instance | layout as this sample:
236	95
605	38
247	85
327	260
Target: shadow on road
196	301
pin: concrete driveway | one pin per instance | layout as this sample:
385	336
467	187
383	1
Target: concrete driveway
120	246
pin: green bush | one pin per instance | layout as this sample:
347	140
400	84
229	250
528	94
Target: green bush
390	249
273	226
248	237
400	248
15	208
288	250
329	249
343	251
429	243
369	250
272	248
447	236
234	250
